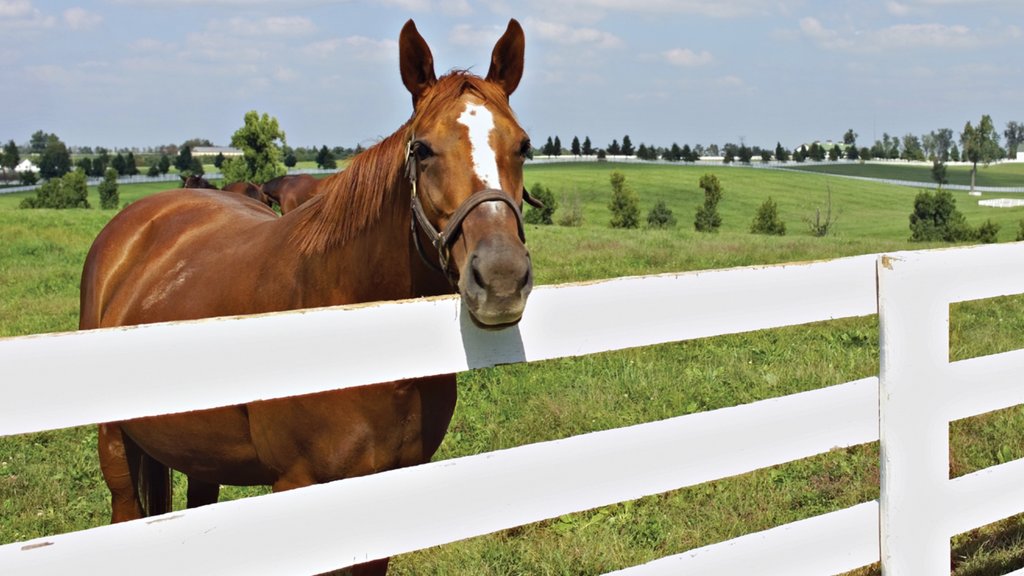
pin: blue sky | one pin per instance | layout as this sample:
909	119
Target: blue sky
120	73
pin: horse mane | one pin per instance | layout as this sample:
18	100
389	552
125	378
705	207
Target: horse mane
352	200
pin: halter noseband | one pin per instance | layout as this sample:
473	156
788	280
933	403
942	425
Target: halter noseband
443	240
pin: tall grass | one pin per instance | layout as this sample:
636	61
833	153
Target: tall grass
50	483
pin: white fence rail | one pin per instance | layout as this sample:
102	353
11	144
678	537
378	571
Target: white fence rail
445	501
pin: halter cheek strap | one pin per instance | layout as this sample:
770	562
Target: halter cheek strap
442	240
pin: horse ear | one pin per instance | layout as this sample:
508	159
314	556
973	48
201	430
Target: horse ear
507	58
416	61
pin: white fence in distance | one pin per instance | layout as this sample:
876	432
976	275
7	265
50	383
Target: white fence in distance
305	531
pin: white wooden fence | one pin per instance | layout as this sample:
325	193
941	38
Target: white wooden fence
208	363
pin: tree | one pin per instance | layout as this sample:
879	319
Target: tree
259	141
557	149
10	157
627	146
708	219
575	149
935	217
290	160
1014	134
852	153
745	154
131	166
549	147
833	153
184	160
119	164
588	148
55	160
544	214
37	143
939	172
164	164
980	143
614	149
67	191
912	149
850	138
624	205
109	197
660	216
218	160
781	154
325	158
766	221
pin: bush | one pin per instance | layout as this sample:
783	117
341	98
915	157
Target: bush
68	191
987	233
109	197
660	216
541	215
708	219
936	218
572	216
766	221
625	205
1020	232
819	226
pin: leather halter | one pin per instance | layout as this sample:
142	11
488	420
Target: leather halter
442	240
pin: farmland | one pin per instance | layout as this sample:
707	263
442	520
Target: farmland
50	483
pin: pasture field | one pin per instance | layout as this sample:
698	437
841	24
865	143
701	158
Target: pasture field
50	482
1006	174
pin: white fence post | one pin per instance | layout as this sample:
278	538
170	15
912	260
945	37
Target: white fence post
914	341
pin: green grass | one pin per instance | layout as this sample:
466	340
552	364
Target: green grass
50	483
1008	174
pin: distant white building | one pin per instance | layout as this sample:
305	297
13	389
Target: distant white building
227	151
26	165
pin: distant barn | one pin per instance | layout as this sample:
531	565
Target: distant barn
227	151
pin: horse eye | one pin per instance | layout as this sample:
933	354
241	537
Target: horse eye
422	150
525	148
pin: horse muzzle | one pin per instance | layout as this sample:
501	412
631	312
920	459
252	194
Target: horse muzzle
496	281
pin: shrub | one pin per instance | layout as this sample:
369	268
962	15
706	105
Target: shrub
708	219
68	191
541	215
766	221
936	218
572	216
987	233
660	216
625	205
821	227
1020	232
109	197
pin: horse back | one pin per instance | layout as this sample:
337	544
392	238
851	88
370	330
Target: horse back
153	262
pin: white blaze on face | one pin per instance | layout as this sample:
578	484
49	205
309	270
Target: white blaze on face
480	122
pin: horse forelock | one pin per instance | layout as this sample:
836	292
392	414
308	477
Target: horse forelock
354	199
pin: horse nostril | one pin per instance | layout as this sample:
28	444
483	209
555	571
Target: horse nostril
475	270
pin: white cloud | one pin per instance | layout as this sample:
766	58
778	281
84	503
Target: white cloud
356	48
897	8
900	36
81	19
564	34
22	15
715	9
271	26
467	35
687	58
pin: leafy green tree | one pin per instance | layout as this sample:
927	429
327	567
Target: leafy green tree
939	173
109	197
556	150
850	138
38	141
767	221
290	160
781	154
67	191
1014	136
624	205
627	146
988	232
10	157
153	171
184	160
708	219
575	149
744	154
218	160
980	143
260	141
130	165
549	147
55	160
541	215
614	149
325	159
164	164
833	153
661	216
766	156
852	153
912	149
936	218
118	163
588	148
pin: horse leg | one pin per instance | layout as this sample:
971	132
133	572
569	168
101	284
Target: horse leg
118	473
201	493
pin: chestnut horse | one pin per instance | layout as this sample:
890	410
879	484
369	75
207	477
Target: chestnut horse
291	190
244	188
456	166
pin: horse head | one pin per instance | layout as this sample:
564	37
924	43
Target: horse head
464	159
195	181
